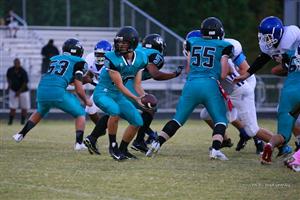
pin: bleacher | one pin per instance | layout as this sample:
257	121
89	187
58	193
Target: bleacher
87	36
28	44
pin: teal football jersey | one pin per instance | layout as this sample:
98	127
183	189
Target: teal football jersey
205	56
293	77
154	57
60	74
118	63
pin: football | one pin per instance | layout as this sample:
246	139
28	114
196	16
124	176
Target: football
149	100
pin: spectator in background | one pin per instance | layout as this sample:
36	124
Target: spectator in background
18	91
2	21
48	51
12	24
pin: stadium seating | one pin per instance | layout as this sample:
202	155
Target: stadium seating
28	44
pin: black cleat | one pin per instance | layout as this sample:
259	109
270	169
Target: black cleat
129	156
284	151
152	135
259	146
241	144
139	146
115	152
91	145
227	143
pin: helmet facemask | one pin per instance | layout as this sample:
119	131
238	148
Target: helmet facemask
267	40
121	46
99	57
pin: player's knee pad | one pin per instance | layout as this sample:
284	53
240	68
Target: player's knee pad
219	129
204	115
171	127
251	125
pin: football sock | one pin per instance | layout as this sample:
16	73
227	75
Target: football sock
243	134
216	144
100	127
256	140
79	136
112	139
161	140
123	146
147	118
27	127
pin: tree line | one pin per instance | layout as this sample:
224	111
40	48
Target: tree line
240	17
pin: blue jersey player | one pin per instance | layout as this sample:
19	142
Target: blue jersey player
208	64
52	93
110	94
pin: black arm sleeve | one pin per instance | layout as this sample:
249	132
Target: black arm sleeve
228	51
259	62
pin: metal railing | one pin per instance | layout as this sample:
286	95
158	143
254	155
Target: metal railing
146	24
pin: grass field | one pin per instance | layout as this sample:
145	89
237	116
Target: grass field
45	166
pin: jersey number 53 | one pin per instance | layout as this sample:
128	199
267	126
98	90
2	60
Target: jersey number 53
58	67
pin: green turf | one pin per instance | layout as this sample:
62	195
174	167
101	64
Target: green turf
45	166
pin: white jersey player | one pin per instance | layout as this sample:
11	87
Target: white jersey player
95	62
243	99
276	42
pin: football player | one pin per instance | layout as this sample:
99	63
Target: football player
276	42
236	92
122	64
64	69
208	64
153	45
242	96
95	62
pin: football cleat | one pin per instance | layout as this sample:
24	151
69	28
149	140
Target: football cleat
91	146
153	149
288	160
296	168
139	146
227	143
115	152
79	147
293	163
217	155
129	156
18	137
266	157
241	144
152	135
284	151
